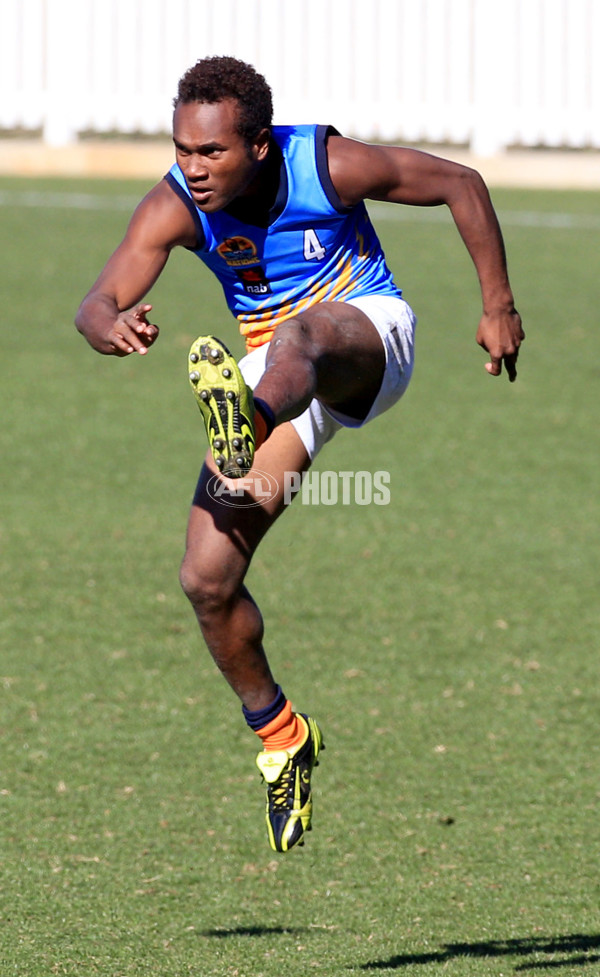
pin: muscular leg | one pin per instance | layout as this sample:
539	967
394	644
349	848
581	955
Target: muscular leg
332	352
221	541
335	353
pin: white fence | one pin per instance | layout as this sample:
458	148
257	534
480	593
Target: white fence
484	73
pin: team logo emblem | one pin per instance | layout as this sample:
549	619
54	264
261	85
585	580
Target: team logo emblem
237	251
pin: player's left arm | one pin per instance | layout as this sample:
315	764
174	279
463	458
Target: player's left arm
406	176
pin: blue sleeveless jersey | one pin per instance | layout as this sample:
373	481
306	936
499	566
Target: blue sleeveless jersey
313	250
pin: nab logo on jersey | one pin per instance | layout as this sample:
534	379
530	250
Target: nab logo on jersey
254	280
238	251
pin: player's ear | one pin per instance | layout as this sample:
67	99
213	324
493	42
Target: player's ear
261	144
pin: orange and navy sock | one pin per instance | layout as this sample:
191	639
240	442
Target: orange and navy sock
277	725
264	421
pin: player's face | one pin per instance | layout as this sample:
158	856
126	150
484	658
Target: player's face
216	162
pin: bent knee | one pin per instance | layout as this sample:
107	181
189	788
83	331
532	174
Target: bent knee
296	332
207	590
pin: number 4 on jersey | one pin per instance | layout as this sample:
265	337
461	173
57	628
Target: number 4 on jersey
313	249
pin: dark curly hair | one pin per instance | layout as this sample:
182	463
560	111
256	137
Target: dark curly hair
216	78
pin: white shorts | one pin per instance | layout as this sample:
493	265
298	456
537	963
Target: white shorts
395	322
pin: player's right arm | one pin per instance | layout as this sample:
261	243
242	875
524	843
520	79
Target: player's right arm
112	316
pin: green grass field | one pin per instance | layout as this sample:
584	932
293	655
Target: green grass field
448	643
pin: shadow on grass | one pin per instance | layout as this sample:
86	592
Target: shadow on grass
252	931
578	944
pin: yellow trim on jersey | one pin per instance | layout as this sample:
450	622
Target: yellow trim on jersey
335	289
